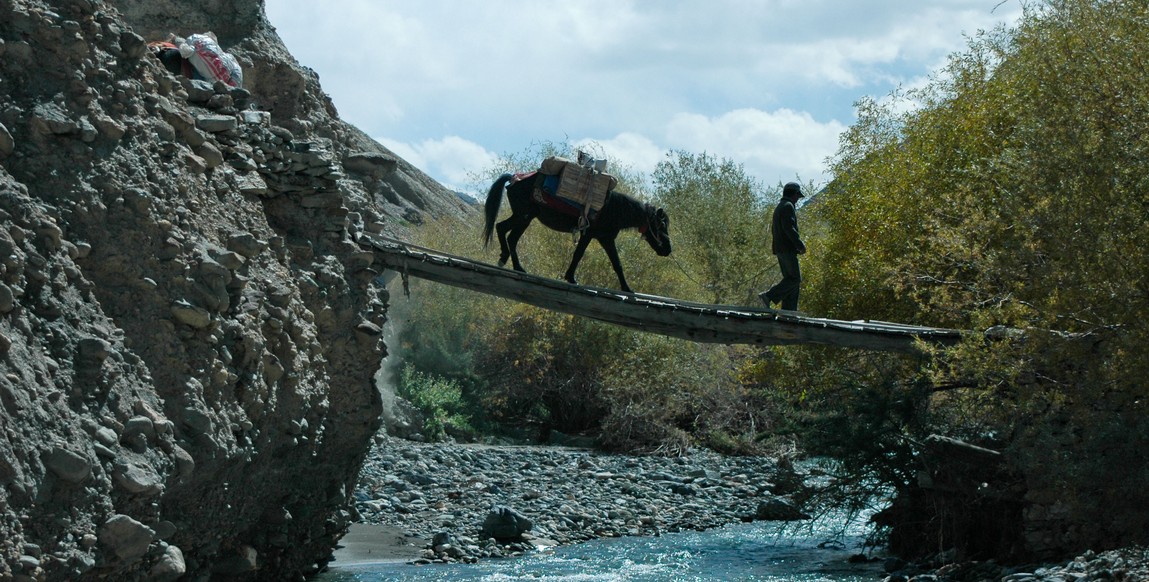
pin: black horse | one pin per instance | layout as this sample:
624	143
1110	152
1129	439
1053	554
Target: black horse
618	212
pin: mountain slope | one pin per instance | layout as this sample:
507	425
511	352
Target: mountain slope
188	333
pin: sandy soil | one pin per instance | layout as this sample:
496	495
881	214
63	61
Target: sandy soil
365	543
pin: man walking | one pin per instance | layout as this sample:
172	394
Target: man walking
786	245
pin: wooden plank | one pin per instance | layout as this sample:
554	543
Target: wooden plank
671	317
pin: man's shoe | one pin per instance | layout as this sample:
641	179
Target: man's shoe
765	298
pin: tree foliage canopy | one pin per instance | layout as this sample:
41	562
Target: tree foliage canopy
1011	191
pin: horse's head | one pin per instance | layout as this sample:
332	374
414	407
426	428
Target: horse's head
657	232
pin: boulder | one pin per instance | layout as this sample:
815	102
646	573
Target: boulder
504	523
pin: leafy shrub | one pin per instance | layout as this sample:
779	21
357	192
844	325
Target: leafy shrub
440	401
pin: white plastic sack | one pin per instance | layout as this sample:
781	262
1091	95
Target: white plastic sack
210	61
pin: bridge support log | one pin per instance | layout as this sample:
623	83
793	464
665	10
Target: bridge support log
697	322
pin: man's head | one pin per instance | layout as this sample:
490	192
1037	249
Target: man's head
793	191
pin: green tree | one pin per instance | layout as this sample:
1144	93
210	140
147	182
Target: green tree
721	228
1012	193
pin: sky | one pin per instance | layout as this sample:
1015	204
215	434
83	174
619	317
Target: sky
449	85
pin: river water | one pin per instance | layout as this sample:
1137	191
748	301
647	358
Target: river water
760	551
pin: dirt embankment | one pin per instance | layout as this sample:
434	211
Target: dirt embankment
188	331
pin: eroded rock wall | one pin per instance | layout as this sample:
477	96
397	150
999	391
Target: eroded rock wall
188	331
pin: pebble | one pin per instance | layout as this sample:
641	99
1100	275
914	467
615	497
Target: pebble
569	495
443	492
1120	565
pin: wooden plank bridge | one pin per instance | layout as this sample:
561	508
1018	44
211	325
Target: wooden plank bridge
726	324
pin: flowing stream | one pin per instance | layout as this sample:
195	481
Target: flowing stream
760	551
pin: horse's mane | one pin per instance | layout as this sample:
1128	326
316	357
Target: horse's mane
627	209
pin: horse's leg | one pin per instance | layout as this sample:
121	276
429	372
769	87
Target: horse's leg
580	249
504	248
517	228
612	254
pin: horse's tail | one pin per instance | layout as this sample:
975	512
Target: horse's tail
491	208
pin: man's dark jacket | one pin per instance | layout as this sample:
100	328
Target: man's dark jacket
785	230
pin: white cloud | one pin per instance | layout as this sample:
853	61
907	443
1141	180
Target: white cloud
772	146
447	82
451	160
631	149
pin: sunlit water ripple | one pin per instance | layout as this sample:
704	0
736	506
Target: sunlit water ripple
761	551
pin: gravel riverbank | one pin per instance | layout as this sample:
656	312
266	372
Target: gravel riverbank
428	503
456	496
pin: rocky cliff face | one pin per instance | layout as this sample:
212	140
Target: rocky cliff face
188	331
